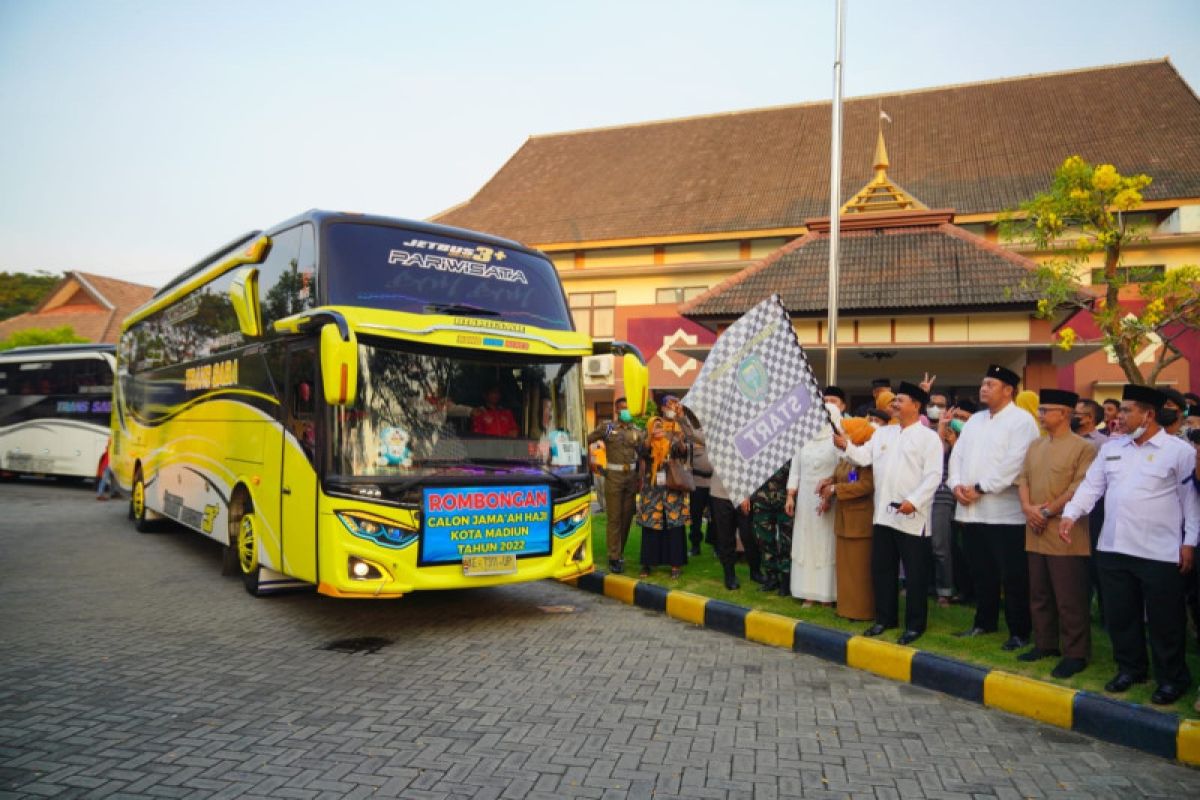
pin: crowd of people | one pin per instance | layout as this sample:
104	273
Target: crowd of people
1034	506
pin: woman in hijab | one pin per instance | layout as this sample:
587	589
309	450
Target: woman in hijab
1028	401
663	513
814	579
851	492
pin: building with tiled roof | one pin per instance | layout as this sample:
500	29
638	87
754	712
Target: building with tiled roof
92	305
640	218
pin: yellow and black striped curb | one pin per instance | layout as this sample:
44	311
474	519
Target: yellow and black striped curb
1098	716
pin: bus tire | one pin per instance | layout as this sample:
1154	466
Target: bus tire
137	506
244	544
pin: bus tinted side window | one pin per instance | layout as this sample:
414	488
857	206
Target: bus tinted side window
285	279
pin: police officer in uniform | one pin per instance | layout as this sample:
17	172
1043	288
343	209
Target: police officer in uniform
621	442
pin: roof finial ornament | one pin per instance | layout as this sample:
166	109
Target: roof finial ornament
881	156
881	193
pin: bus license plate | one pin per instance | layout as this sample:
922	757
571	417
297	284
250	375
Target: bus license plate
490	565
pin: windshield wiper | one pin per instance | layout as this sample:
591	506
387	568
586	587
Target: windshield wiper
460	308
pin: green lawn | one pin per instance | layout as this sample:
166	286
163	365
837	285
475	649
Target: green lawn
703	575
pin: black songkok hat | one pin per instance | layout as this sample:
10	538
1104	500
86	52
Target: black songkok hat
1057	397
1174	395
879	414
1004	374
1143	394
881	383
915	392
967	404
836	391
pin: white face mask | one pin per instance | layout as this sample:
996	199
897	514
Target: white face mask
1137	433
934	412
669	414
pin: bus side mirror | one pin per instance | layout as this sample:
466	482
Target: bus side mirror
339	365
637	383
243	292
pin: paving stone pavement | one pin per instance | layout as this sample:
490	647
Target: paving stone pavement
130	668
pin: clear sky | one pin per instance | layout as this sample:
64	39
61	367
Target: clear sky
137	136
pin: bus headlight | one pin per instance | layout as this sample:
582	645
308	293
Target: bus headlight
568	525
386	532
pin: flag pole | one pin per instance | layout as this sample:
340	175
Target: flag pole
835	198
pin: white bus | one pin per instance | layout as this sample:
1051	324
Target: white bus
55	409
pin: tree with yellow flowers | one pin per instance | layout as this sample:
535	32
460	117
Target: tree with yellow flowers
1084	212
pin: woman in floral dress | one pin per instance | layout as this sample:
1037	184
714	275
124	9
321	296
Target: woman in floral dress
663	513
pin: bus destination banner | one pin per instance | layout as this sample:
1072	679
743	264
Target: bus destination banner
495	521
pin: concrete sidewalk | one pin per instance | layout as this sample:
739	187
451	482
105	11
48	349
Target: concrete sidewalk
1095	715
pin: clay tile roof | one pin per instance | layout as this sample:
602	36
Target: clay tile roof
92	305
926	264
978	148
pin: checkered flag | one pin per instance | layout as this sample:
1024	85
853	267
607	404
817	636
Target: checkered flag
757	399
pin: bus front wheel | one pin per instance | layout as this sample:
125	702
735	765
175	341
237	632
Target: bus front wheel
246	545
137	506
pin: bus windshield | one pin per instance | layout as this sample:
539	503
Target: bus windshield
386	267
426	413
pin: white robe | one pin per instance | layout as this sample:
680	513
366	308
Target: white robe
814	576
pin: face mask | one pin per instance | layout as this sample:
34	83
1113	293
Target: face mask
669	414
1168	417
1137	433
625	416
934	413
956	425
1076	424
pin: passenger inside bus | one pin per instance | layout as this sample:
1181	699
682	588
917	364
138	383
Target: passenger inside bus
492	419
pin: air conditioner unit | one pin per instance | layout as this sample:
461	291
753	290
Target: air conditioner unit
598	366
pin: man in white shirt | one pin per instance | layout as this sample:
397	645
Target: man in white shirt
907	460
1146	478
983	473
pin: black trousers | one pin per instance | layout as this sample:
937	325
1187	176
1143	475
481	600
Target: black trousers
729	523
699	503
1137	589
889	549
996	554
1095	524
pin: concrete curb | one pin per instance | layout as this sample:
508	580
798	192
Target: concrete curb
1098	716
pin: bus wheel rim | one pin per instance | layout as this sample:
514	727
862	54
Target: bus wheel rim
247	546
139	499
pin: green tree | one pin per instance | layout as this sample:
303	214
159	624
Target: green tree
22	291
1085	212
36	336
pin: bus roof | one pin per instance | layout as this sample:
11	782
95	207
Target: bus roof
319	218
55	349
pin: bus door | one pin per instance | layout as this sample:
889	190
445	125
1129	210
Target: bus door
297	475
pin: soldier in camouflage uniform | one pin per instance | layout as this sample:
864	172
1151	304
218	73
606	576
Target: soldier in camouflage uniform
773	528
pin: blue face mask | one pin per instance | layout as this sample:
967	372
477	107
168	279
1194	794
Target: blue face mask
625	416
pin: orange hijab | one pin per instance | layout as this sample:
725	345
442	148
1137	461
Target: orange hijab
660	448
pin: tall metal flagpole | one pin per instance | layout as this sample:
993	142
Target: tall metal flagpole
835	196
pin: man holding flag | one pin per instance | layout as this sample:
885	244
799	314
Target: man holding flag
907	460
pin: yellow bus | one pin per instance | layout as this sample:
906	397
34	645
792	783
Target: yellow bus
365	405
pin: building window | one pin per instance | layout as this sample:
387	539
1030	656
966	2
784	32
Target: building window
594	312
1146	273
675	296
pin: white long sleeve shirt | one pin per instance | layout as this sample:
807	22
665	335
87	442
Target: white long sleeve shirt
990	452
1150	505
908	466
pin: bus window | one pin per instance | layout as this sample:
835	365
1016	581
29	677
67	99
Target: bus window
390	268
279	277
